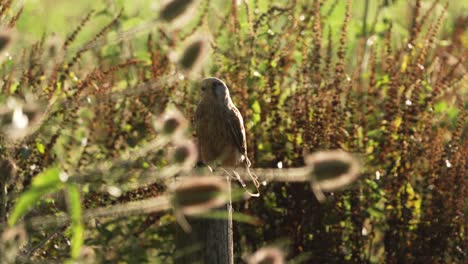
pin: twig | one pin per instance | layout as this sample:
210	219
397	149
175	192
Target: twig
146	206
59	229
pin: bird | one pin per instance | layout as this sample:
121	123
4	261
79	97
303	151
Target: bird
220	130
219	127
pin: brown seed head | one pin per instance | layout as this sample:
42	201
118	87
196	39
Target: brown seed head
194	54
332	169
171	123
185	154
267	255
197	195
175	8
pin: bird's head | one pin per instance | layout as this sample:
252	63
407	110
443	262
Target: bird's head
214	89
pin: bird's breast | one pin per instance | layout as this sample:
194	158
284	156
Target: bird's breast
214	139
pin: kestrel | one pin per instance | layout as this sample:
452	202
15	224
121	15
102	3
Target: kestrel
220	127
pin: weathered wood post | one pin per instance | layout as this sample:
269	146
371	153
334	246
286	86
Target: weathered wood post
210	240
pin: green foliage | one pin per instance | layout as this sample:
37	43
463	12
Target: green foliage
77	226
44	183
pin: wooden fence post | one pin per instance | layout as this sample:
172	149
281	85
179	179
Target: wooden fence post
210	241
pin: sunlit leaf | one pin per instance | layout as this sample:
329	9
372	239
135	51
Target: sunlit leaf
440	107
40	147
46	182
49	177
256	106
77	227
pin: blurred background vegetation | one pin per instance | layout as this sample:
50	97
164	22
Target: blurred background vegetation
383	79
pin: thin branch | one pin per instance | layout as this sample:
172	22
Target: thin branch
157	204
58	230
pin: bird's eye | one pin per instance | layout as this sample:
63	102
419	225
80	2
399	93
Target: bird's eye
203	88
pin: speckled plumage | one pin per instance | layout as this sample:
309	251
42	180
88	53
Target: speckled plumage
219	127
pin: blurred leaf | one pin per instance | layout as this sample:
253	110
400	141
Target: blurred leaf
77	227
256	112
397	121
40	147
44	183
13	87
49	177
256	106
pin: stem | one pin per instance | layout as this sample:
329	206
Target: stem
364	19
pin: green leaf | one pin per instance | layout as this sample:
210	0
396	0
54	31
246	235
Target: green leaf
273	64
77	227
49	177
440	107
40	147
256	112
44	183
256	106
13	87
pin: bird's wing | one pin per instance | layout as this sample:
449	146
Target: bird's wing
196	118
196	123
237	130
